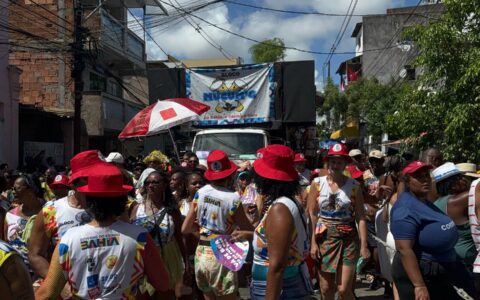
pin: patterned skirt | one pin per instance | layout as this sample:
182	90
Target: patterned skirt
339	245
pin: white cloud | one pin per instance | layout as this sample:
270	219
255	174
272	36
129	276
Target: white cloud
309	32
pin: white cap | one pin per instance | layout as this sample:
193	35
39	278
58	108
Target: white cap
354	152
115	157
445	171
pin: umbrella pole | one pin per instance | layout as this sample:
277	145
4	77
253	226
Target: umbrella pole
174	145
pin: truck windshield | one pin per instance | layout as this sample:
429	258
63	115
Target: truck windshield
234	144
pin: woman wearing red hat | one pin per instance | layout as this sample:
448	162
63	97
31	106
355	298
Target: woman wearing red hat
64	213
106	258
218	211
159	214
425	265
280	240
335	202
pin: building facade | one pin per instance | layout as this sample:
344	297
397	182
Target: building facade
9	88
382	49
114	75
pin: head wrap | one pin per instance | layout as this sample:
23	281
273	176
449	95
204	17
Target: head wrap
156	155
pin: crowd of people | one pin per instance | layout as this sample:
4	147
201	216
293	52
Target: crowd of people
144	228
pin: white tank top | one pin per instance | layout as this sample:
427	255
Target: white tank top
166	227
59	216
215	207
299	244
184	207
103	262
336	208
474	224
15	228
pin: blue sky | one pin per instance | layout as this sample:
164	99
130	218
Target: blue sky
309	32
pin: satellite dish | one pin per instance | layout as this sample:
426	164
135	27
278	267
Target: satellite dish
404	46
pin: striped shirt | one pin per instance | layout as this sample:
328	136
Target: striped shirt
474	224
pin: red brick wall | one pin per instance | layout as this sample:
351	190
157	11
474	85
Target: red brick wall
39	79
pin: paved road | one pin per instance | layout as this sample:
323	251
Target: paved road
361	291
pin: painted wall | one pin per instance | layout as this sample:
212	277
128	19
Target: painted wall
9	88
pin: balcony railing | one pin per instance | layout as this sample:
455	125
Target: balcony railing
135	46
121	39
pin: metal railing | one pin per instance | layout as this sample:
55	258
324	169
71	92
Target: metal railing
118	37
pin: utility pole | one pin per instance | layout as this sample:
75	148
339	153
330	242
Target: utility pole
77	72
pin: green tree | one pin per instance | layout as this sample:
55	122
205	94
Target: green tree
446	104
334	107
269	50
365	100
372	103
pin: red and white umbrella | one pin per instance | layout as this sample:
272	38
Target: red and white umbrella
162	116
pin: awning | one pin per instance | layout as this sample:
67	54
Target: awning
346	132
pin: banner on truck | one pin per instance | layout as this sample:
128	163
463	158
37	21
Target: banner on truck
237	95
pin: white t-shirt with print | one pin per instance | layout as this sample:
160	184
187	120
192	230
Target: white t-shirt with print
215	207
103	262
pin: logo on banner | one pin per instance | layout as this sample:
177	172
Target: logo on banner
228	95
239	95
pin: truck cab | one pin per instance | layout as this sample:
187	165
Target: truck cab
240	144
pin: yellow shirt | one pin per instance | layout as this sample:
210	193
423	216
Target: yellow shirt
5	252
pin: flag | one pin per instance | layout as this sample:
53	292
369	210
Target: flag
351	74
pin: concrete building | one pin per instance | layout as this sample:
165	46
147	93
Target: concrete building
115	84
384	32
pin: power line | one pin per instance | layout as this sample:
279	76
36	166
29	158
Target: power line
143	27
389	42
199	30
30	35
314	12
332	49
50	31
379	68
260	42
40	15
50	12
340	33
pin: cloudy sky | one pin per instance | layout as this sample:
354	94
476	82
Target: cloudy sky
309	32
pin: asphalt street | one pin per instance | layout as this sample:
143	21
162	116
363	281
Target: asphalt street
361	292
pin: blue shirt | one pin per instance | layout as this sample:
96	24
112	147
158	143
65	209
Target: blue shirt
434	233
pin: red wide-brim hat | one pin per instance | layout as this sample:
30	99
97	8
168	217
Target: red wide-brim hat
81	162
219	166
276	162
105	182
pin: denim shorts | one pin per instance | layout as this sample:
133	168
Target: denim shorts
293	288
